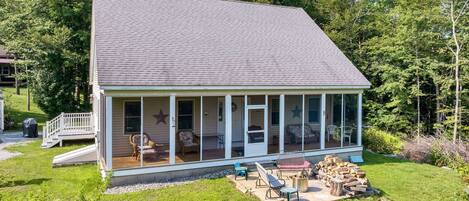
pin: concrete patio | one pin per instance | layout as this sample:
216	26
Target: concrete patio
317	191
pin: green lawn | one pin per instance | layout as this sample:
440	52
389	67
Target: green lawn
31	177
16	108
404	180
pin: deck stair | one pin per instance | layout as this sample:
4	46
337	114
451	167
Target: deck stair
67	126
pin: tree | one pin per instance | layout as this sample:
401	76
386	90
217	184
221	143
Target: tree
457	10
51	38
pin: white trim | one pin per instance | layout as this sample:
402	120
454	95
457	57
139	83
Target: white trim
108	134
231	87
323	121
342	119
266	124
360	116
206	164
228	124
192	93
303	122
281	123
141	131
246	124
172	129
201	127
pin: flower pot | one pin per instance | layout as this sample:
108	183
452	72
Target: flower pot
301	184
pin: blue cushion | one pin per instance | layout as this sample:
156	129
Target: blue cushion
356	159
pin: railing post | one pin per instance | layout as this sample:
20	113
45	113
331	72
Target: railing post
61	122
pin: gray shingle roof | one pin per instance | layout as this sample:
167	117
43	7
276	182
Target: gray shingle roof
214	43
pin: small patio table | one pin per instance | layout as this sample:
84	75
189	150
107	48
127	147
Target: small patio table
289	191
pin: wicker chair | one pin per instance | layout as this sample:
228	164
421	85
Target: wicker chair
149	146
188	142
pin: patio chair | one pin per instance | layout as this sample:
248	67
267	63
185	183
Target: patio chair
274	183
188	142
240	171
348	130
330	131
149	146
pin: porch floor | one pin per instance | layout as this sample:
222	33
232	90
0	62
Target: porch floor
211	154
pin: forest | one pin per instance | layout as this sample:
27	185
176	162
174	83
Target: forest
414	52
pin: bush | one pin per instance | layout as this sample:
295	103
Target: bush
439	152
381	141
418	150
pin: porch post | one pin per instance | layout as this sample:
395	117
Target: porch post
201	127
228	126
141	131
281	123
303	122
108	134
172	129
359	124
323	121
342	115
266	124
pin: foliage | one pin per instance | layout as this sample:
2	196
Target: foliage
50	38
381	141
403	48
439	152
16	110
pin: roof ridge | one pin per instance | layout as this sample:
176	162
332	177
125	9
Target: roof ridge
262	4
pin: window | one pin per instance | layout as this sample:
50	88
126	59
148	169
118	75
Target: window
132	117
275	112
185	115
5	70
313	113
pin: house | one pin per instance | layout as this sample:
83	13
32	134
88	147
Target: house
7	71
214	82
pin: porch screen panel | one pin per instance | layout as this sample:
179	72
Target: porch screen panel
350	119
333	120
213	127
237	126
293	123
125	132
188	129
156	128
273	122
312	116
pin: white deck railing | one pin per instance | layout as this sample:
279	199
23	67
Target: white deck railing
68	124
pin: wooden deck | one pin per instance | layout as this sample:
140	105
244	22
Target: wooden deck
163	159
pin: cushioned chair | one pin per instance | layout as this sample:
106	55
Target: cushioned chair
149	146
188	142
294	134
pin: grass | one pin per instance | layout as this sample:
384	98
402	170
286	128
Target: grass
31	177
405	180
16	108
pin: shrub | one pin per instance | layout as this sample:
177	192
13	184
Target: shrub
418	150
381	141
439	152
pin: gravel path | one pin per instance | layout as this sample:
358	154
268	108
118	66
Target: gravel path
9	139
174	182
